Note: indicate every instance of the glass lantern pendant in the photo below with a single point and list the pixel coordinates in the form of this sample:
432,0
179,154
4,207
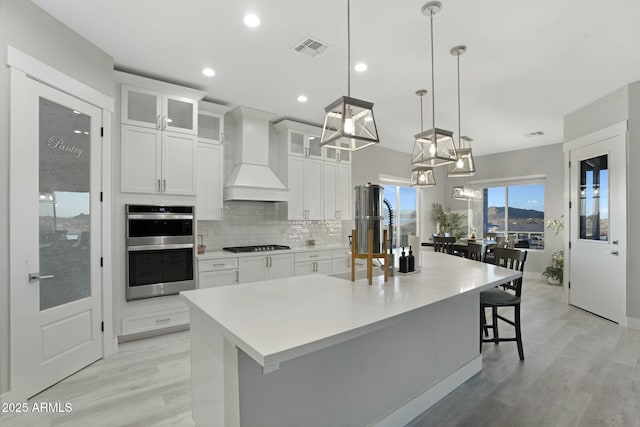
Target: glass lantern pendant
349,125
422,177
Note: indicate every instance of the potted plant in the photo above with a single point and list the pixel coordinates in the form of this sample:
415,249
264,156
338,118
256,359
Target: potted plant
447,222
554,272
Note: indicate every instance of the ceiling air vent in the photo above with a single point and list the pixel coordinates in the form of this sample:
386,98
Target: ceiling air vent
532,134
310,46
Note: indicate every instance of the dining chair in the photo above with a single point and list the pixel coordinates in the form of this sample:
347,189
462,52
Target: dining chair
475,251
444,244
490,235
501,241
508,296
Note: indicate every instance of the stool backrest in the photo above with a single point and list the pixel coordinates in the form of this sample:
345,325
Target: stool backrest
443,244
513,259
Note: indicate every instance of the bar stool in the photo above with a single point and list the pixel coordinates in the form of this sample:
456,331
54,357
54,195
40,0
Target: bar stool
508,296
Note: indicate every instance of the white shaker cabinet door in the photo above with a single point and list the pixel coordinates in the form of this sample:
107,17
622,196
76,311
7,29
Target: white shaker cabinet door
178,164
280,266
296,207
313,189
252,269
344,191
210,185
329,190
140,159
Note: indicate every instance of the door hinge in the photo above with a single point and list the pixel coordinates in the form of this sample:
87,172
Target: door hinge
101,262
101,132
101,196
101,326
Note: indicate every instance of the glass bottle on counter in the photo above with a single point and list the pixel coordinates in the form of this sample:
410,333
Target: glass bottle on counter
404,264
411,261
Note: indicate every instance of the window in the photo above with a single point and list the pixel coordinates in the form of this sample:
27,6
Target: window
403,201
515,212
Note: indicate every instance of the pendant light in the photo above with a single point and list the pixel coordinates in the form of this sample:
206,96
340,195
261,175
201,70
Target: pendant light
349,123
466,193
464,165
434,147
422,176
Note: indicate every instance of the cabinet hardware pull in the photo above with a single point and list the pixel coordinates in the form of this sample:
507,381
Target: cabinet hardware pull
163,320
159,187
616,253
217,265
314,256
164,185
158,121
237,277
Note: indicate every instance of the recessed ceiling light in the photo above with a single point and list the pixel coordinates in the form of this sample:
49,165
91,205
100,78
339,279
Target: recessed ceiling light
360,67
208,72
86,133
77,131
76,112
251,20
302,98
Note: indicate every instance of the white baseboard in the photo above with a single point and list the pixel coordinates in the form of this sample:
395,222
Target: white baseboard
429,397
633,323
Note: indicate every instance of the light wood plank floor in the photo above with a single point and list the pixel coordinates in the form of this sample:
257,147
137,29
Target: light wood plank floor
580,370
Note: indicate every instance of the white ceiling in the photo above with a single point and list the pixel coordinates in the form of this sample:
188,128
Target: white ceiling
528,63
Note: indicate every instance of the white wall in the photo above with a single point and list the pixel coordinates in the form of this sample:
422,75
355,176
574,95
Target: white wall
29,29
546,160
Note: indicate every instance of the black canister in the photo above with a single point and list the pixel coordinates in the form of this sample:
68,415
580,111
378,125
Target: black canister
404,264
411,261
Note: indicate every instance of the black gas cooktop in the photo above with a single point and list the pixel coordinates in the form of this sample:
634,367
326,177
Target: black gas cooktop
256,248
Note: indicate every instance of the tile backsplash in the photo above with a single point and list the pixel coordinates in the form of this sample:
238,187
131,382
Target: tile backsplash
255,223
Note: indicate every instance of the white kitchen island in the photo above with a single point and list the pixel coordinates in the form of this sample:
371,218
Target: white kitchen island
322,351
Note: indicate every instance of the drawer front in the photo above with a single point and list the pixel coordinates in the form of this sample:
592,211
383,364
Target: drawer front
341,253
212,279
314,267
313,256
150,322
218,264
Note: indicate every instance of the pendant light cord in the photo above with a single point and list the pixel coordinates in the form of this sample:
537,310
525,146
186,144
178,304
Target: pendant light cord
349,48
433,92
459,119
421,115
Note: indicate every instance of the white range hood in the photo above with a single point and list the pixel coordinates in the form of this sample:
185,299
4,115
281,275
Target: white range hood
251,177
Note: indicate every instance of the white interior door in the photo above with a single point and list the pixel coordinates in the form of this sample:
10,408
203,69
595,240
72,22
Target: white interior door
598,227
55,218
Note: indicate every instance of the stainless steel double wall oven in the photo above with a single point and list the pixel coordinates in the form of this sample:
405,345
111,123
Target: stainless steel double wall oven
160,250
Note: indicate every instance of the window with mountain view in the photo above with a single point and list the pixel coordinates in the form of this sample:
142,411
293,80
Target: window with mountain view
403,201
517,212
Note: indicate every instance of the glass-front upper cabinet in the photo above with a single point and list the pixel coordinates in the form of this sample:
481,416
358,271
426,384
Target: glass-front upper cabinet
331,153
153,109
302,140
210,127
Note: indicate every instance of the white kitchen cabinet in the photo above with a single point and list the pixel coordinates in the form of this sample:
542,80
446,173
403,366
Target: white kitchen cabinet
265,267
305,189
342,261
210,181
217,272
210,126
335,155
302,140
154,161
156,110
316,262
337,190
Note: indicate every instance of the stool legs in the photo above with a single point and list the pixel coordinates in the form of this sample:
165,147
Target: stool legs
516,314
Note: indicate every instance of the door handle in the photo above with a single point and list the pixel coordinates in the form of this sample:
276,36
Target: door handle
34,277
616,253
158,126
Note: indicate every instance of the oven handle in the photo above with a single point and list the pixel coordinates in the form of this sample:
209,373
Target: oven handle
159,216
159,247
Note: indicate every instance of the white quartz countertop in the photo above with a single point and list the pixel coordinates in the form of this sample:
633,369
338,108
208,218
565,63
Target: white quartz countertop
226,254
277,320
